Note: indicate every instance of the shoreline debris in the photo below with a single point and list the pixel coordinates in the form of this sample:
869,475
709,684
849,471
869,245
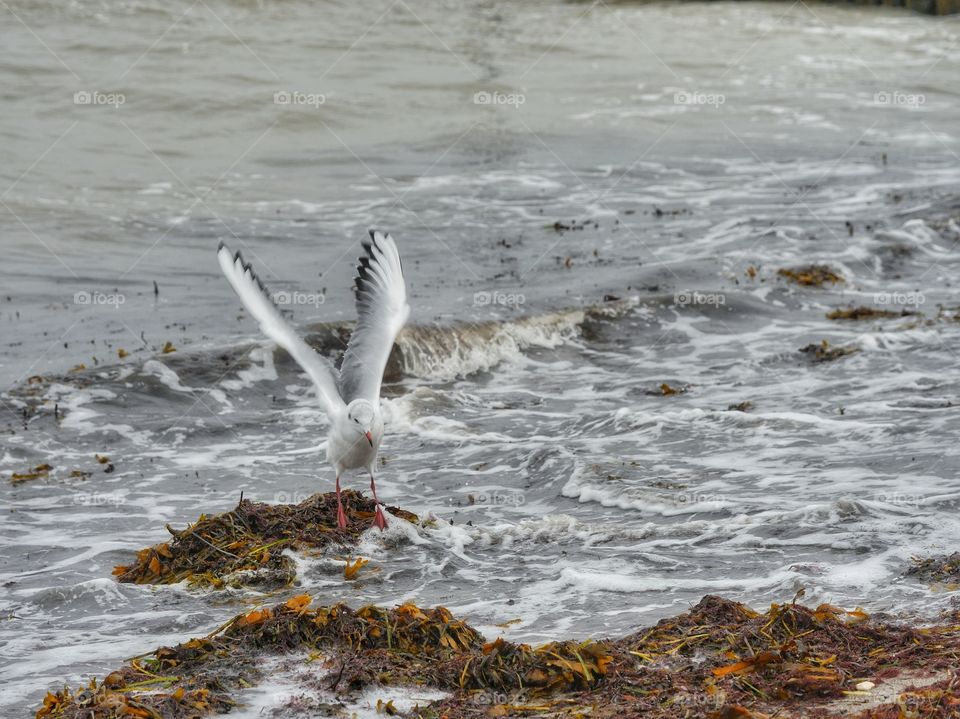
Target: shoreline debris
245,546
867,313
811,275
940,572
825,352
719,659
41,471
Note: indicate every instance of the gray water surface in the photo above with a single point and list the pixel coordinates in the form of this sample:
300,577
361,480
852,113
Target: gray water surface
695,149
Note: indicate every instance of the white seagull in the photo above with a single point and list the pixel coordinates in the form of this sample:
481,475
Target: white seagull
350,397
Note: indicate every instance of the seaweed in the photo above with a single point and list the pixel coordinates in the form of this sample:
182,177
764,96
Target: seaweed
245,545
866,313
719,659
403,645
942,571
824,352
41,471
948,314
939,700
812,275
561,226
667,390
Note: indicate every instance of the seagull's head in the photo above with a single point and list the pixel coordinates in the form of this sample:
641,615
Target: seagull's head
360,418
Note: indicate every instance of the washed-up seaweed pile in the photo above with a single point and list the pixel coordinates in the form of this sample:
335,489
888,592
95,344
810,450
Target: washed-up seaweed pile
789,653
245,545
404,646
867,313
941,572
940,700
825,352
811,275
720,659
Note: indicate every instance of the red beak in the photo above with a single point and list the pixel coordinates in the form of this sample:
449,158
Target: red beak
369,438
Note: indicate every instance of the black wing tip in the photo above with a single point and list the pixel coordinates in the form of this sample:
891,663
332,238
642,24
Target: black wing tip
237,257
374,234
368,258
245,267
367,246
248,269
364,261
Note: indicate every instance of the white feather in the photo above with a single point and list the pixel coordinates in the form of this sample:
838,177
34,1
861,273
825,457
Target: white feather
382,311
254,297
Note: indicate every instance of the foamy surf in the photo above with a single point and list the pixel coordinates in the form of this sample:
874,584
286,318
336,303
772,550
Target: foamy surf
584,465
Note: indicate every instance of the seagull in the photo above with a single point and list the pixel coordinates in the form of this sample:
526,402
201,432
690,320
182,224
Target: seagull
350,396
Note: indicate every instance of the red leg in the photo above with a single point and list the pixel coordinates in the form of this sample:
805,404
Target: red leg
378,519
341,515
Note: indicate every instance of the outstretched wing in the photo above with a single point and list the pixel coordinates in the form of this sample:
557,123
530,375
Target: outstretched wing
258,303
382,311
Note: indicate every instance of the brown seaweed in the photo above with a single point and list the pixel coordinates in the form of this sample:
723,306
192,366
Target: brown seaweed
719,659
825,352
246,544
811,275
866,313
941,571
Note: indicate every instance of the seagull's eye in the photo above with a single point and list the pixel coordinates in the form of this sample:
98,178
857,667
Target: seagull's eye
356,420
